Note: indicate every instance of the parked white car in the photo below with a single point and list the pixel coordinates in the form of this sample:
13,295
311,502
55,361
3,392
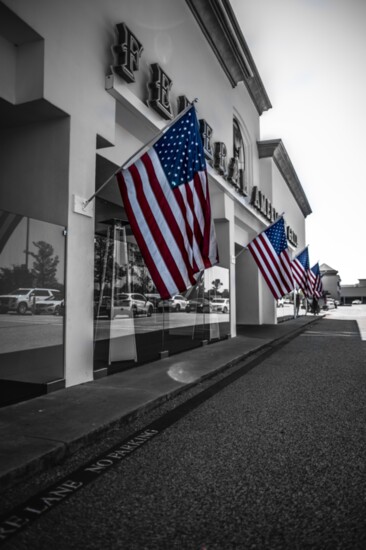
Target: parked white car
50,306
129,303
221,304
175,303
329,304
22,300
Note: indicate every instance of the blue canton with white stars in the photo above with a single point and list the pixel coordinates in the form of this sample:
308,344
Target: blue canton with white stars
315,269
303,258
277,236
180,150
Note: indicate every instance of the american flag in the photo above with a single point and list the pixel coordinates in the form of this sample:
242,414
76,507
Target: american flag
316,281
270,251
166,197
301,272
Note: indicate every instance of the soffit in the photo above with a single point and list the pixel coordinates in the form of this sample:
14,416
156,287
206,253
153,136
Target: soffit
221,29
275,149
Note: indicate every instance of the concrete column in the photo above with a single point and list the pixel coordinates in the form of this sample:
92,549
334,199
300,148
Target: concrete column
267,304
248,308
226,243
80,259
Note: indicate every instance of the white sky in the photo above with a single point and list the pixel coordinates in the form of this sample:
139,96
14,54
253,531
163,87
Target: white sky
310,55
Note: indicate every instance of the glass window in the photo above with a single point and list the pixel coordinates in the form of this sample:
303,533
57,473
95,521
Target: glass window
133,325
239,156
32,256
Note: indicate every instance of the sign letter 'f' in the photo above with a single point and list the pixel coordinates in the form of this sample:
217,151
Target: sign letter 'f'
160,92
129,52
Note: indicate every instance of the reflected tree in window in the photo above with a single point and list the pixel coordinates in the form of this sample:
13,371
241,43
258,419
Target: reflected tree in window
216,285
103,261
139,274
43,273
45,265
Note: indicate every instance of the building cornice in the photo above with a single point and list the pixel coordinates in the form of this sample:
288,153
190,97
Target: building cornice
221,29
327,270
275,149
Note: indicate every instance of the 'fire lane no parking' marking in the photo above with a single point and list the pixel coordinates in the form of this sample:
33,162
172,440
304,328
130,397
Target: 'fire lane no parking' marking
38,505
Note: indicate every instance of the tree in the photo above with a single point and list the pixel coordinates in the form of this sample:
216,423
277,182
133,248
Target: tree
45,265
216,283
103,261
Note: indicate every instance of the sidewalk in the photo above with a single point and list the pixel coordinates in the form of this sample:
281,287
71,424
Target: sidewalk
41,432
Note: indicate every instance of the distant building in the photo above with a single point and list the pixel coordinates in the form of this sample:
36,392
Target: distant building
354,292
331,281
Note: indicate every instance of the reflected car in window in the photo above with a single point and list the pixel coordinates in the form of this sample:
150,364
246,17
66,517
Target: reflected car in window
175,303
356,302
221,304
48,306
199,306
60,309
129,304
23,300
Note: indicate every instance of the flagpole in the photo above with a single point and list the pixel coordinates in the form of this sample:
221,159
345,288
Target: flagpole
136,154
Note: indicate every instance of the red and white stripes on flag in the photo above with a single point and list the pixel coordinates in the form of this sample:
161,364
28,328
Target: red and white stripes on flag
301,272
312,283
168,208
270,251
316,281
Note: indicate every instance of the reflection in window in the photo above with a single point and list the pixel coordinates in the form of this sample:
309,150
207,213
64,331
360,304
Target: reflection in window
32,254
132,324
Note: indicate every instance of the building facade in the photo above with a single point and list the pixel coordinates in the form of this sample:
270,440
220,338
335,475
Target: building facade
331,281
85,84
350,293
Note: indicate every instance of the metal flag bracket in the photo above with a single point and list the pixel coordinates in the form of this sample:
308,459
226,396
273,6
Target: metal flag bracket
80,206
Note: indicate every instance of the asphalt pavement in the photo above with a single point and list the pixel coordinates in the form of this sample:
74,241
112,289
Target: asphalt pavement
42,432
268,453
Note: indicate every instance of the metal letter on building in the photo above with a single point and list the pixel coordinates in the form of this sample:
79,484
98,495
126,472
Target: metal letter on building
206,134
233,171
255,200
159,92
220,158
129,52
183,102
291,236
263,203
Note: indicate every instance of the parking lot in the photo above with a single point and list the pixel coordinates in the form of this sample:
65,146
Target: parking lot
22,332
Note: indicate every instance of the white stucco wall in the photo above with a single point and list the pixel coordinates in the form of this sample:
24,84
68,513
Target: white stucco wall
284,201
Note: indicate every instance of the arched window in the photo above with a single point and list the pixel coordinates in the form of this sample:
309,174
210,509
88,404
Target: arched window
236,175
